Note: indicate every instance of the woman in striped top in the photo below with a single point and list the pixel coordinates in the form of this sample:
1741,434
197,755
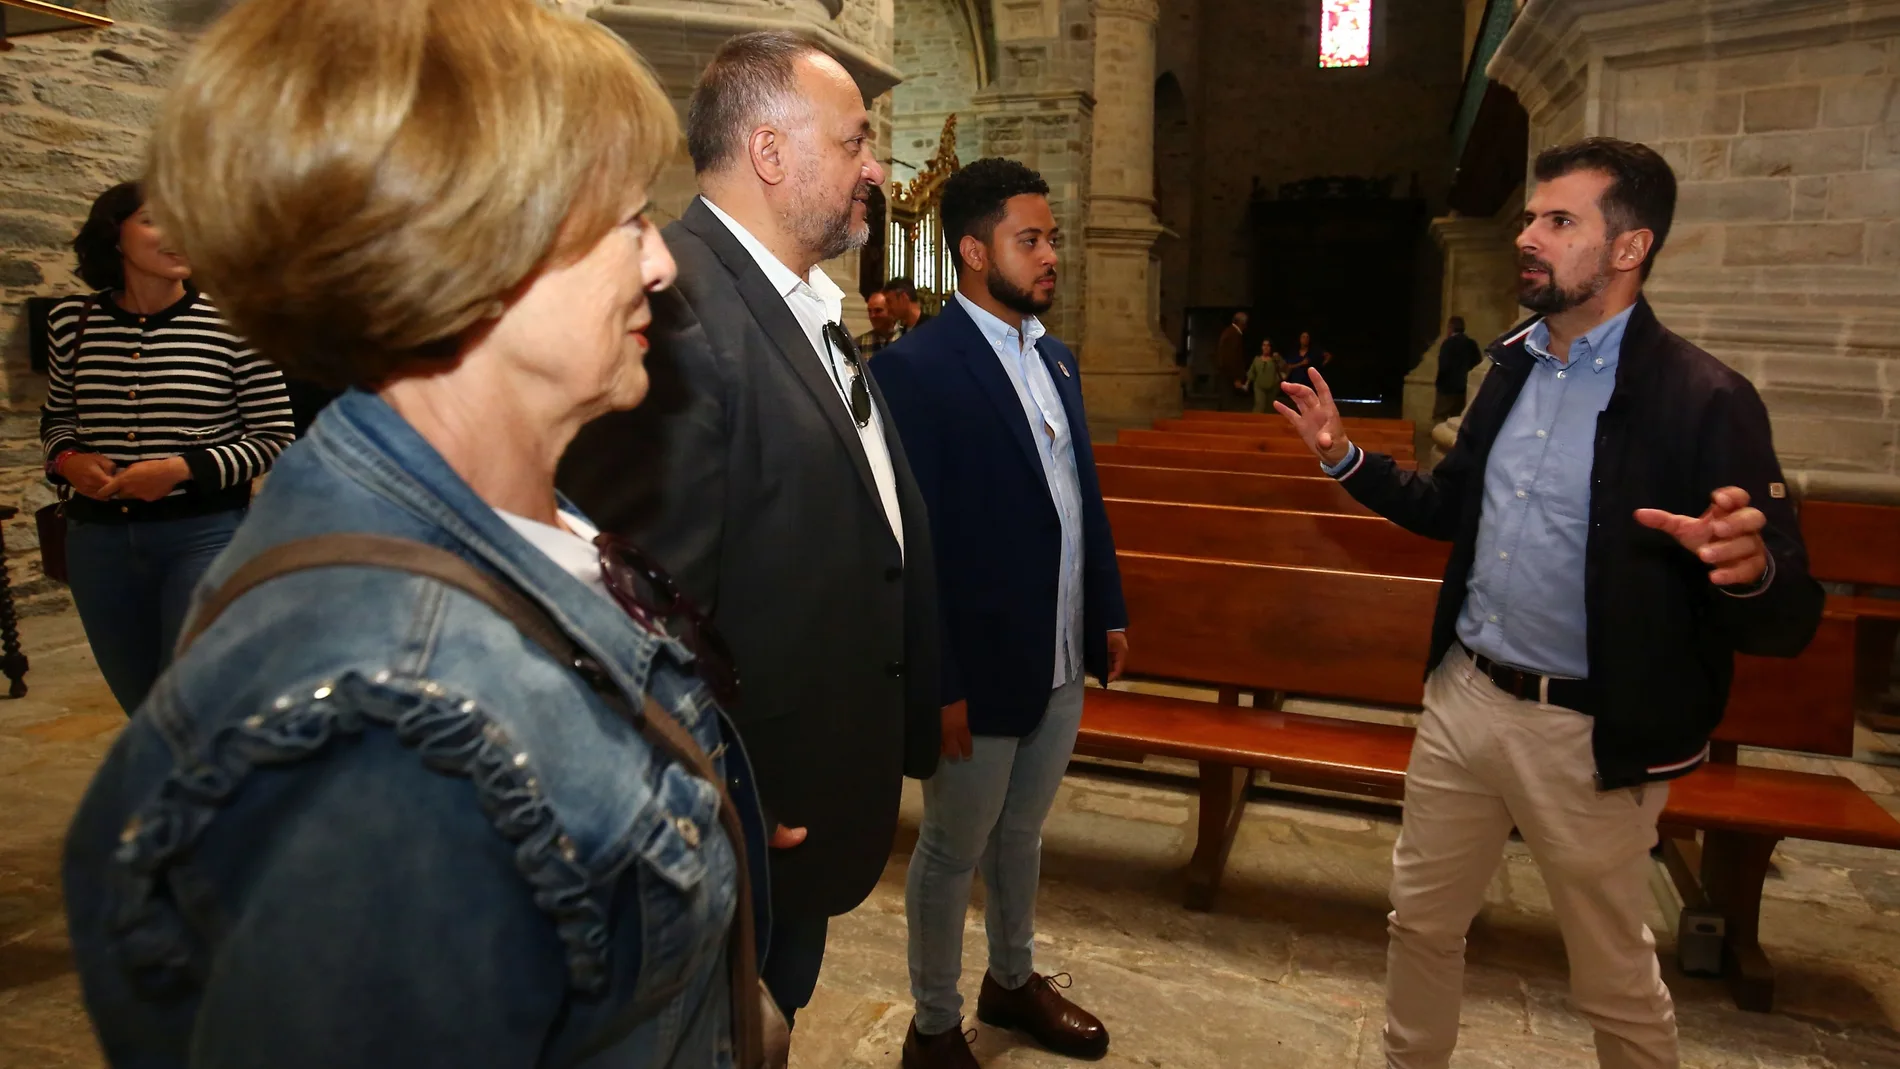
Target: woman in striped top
159,418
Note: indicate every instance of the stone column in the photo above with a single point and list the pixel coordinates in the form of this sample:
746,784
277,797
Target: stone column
678,38
1130,378
1480,285
1782,124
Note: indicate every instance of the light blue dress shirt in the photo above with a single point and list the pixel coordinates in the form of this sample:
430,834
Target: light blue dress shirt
1524,606
1015,347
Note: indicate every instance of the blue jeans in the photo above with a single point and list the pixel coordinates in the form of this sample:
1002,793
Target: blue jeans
988,812
132,583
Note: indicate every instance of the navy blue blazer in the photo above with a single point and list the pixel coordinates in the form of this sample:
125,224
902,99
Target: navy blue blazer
993,522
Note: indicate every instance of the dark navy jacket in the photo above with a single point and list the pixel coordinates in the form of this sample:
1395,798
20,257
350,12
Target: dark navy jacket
992,520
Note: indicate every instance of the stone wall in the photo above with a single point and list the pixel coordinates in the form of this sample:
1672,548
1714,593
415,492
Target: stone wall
1783,124
1269,111
74,110
933,47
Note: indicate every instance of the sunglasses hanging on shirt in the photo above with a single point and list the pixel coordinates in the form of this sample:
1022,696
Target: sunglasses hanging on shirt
859,391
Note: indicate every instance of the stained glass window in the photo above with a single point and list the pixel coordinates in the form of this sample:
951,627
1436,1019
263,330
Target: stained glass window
1345,33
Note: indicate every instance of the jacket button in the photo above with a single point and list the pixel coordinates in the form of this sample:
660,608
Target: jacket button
893,574
894,669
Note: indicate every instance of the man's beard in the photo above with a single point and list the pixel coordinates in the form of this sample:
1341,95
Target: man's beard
833,233
1551,299
1018,300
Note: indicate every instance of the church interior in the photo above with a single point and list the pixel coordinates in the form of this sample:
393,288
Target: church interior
1351,170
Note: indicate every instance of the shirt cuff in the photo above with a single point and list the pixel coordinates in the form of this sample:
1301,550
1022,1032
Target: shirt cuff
1755,588
1347,464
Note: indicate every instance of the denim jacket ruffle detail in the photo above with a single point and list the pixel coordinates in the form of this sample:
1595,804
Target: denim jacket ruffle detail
448,733
618,847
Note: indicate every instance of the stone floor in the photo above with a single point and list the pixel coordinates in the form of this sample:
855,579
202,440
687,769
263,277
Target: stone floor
1285,973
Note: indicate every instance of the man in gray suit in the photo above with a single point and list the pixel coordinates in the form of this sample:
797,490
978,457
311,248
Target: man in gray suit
764,473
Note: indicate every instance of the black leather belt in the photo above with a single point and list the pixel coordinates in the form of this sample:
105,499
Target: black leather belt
1570,694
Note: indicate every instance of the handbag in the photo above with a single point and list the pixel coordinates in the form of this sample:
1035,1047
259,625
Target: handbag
51,519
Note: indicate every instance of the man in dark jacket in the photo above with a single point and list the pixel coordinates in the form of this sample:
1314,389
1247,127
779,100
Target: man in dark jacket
1457,355
1620,530
763,472
990,408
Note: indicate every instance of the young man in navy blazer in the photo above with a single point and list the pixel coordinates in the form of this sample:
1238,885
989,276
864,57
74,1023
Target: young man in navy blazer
989,408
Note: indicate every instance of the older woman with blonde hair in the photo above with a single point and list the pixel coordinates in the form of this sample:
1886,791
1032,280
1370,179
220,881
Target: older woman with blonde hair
432,782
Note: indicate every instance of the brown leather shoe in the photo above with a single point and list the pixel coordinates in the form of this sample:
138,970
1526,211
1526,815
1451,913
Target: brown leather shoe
1039,1010
948,1050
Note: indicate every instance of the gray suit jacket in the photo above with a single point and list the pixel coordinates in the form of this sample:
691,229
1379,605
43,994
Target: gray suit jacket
744,476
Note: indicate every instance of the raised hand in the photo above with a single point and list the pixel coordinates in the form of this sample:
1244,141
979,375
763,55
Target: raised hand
1726,537
1316,418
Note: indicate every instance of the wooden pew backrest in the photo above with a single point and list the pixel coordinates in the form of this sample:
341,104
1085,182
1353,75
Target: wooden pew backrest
1329,634
1351,543
1850,543
1135,456
1304,493
1235,443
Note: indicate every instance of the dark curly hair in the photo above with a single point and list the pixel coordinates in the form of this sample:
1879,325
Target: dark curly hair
100,264
975,198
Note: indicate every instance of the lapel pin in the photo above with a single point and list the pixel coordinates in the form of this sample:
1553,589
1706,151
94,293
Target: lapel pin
1064,367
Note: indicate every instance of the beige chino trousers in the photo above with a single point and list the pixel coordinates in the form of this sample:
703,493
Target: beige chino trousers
1483,763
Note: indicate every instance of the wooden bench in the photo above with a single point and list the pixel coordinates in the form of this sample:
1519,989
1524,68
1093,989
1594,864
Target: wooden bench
1261,443
1258,463
1331,540
1859,545
1227,623
1377,441
1308,493
1403,428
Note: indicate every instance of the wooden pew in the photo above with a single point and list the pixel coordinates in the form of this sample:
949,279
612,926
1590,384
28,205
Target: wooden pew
1275,629
1860,545
1330,540
1377,441
1306,493
1264,443
1354,424
1283,445
1134,456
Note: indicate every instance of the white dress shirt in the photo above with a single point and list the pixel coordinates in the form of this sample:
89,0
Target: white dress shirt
814,301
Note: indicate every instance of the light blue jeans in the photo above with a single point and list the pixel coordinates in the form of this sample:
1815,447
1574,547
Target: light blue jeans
988,812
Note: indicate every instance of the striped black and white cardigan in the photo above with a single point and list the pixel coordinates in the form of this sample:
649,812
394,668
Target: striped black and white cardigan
176,383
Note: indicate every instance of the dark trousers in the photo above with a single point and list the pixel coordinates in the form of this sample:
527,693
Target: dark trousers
132,583
792,960
1447,405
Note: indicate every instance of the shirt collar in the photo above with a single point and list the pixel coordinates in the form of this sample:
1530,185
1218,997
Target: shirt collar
1000,333
1600,349
784,280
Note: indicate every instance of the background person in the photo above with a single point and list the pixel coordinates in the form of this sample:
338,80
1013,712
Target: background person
1264,375
1457,355
412,836
158,416
902,294
883,325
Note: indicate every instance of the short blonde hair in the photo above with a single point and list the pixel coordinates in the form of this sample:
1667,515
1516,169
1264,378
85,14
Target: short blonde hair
359,182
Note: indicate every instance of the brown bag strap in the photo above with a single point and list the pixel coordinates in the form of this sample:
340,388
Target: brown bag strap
654,723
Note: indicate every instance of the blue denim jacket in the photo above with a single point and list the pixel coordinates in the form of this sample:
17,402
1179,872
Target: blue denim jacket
364,822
